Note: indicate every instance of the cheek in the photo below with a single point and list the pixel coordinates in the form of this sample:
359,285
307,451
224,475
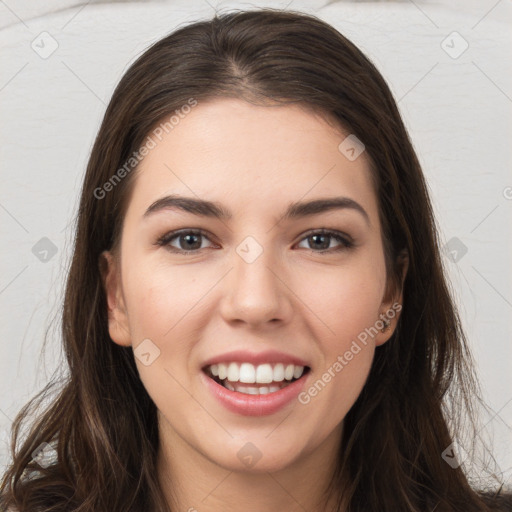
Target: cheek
160,311
169,306
159,298
350,310
347,298
348,302
333,392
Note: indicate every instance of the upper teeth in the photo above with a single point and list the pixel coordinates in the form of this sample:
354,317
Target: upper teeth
261,374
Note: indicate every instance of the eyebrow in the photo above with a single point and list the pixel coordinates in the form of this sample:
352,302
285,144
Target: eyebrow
215,210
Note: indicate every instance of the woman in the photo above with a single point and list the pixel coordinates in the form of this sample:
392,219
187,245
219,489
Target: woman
256,308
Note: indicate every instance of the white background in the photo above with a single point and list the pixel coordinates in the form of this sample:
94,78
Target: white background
458,109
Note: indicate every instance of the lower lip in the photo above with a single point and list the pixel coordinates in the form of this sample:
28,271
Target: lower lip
254,405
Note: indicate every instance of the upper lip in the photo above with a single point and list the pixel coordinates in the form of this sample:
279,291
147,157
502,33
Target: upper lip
255,358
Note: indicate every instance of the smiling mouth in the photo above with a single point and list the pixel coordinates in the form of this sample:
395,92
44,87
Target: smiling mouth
248,379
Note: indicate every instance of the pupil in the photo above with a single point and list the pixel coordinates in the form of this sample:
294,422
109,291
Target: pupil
188,239
324,245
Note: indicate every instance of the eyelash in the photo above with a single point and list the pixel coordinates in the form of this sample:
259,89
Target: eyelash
165,240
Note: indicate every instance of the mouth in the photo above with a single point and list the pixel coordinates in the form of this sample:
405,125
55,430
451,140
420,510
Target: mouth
249,379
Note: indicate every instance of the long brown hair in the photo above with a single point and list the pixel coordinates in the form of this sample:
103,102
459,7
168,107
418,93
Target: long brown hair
101,422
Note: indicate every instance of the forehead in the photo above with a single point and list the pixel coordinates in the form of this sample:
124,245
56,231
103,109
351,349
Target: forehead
251,158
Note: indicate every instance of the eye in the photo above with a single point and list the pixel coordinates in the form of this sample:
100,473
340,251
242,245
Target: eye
321,239
189,241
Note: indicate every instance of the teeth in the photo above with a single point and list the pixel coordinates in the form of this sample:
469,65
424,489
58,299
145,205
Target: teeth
252,390
297,372
279,372
233,372
223,371
264,374
247,373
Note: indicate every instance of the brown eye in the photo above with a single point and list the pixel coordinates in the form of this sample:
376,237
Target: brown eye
191,241
184,241
320,241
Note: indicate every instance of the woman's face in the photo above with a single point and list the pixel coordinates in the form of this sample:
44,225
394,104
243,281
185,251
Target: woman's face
262,296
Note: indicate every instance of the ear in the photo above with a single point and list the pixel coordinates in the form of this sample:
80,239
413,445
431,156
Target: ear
392,303
118,326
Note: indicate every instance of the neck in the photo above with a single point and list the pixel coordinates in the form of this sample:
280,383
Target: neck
194,483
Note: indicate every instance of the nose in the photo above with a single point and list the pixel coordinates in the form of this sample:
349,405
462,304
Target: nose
255,292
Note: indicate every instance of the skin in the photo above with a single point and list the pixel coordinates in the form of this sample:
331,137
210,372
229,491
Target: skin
255,160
